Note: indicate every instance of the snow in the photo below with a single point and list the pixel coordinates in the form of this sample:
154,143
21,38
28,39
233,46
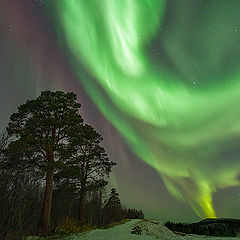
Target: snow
146,229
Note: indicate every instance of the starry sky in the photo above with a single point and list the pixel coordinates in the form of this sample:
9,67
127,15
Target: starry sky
160,81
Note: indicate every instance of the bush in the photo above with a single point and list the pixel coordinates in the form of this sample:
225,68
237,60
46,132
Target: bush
71,226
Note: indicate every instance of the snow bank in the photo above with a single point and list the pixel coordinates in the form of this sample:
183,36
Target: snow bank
140,230
121,232
154,229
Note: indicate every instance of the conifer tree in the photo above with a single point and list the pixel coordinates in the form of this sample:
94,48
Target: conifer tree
113,200
39,130
87,162
47,135
113,210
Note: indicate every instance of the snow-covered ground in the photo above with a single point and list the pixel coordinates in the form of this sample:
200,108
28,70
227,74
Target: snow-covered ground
145,229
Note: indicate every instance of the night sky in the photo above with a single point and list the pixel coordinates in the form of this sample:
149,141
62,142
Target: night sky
160,80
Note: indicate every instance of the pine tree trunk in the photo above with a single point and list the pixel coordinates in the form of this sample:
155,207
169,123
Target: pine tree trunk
48,202
80,207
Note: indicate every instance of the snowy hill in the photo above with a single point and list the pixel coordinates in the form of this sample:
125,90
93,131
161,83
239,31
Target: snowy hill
219,220
140,230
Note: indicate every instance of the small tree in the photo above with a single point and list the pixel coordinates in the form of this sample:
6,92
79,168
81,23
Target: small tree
40,130
113,207
113,200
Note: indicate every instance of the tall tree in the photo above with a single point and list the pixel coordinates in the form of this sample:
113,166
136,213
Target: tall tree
88,163
40,130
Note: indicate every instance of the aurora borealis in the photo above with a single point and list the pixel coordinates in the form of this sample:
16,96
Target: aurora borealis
165,74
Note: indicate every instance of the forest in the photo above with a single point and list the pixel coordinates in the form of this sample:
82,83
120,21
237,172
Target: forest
54,172
219,227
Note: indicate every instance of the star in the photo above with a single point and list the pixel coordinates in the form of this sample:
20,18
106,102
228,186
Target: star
10,27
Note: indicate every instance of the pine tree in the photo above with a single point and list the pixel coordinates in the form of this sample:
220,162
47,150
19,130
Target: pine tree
113,200
47,136
88,165
113,210
40,129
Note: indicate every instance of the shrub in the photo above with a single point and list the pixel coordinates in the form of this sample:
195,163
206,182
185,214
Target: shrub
71,226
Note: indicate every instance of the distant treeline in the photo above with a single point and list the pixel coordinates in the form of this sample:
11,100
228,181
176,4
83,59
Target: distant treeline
210,227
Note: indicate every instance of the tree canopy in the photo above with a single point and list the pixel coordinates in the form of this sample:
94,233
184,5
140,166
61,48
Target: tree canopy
48,135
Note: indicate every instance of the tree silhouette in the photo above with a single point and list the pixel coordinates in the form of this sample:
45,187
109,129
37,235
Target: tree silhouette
113,208
87,162
40,129
113,200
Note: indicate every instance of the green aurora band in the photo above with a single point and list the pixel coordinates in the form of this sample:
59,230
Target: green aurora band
178,128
